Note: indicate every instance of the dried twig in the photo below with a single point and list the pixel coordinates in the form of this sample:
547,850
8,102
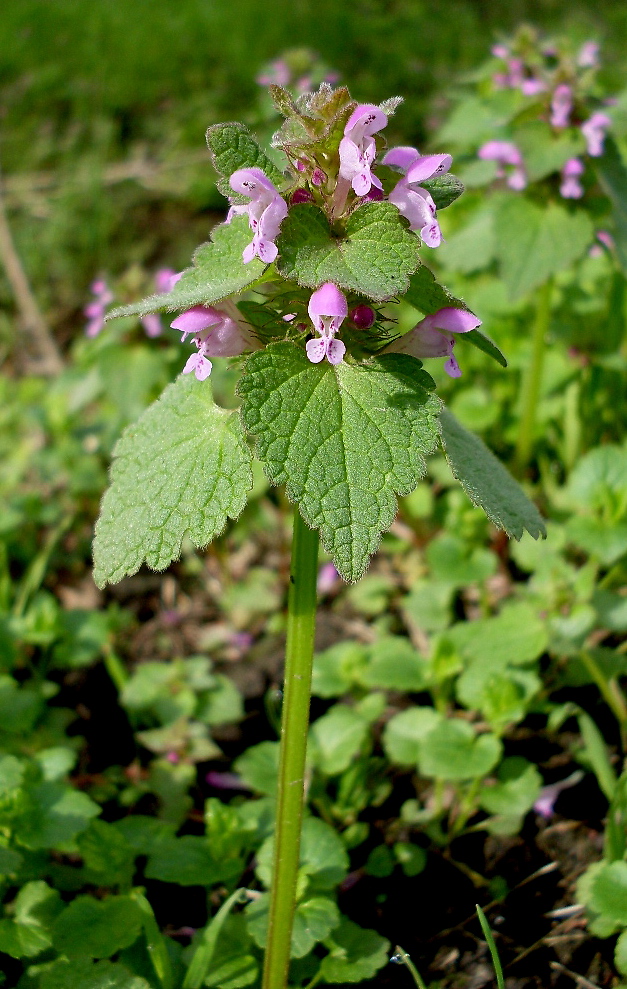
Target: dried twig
48,360
579,979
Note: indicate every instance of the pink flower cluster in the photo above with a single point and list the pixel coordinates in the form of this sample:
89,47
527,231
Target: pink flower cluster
509,162
221,332
533,78
165,278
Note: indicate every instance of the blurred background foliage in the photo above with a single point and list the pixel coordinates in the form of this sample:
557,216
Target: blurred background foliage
105,105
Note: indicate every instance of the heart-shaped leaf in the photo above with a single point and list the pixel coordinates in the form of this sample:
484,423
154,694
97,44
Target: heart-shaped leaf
375,257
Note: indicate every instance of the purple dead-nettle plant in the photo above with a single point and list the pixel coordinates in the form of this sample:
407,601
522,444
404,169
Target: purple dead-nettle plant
560,88
335,401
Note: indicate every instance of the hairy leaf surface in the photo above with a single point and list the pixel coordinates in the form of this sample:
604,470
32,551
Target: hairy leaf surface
375,258
218,271
344,440
184,467
487,483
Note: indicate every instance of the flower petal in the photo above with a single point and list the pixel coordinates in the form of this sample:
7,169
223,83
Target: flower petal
316,349
453,320
335,351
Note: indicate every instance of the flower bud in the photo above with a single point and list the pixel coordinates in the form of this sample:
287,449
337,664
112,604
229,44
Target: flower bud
362,317
301,196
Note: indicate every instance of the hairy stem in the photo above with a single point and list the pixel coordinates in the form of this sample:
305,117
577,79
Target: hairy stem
532,380
301,619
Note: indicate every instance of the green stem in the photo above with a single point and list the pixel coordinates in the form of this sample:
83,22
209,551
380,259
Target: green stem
610,691
301,620
403,958
532,380
115,668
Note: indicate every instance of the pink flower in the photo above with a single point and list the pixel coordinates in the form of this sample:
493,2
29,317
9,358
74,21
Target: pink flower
327,578
279,74
426,340
510,162
166,279
217,333
531,87
412,201
266,211
199,364
545,802
594,132
327,309
588,56
95,311
358,147
561,105
571,187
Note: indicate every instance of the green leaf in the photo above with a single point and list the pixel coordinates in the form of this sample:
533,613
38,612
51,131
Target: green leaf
35,908
355,954
187,861
232,146
599,480
10,861
604,541
608,892
452,751
545,152
218,271
596,754
182,468
107,854
395,665
483,343
452,561
516,637
336,669
516,791
411,858
82,973
259,767
404,732
427,295
471,247
343,439
374,258
56,815
322,855
486,481
612,174
209,941
620,954
22,941
444,189
314,919
97,928
534,243
337,738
